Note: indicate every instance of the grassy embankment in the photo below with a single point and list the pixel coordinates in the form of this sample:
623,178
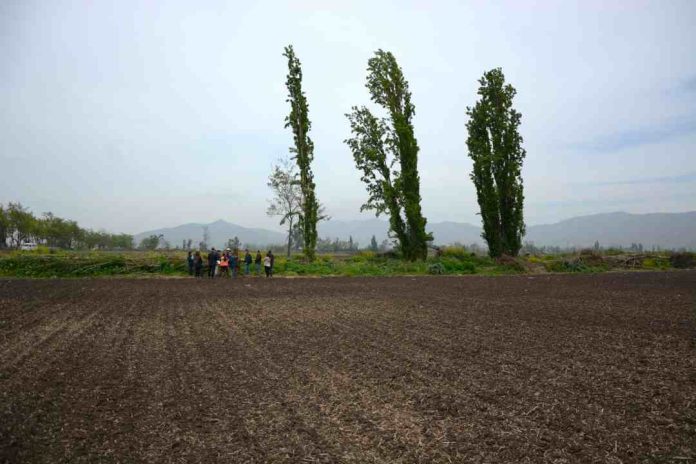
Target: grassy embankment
453,261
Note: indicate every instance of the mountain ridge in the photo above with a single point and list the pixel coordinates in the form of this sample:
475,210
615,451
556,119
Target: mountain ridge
664,230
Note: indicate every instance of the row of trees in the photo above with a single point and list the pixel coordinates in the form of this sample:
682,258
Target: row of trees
385,151
19,225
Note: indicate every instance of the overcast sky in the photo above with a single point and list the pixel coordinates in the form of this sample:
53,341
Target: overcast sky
134,115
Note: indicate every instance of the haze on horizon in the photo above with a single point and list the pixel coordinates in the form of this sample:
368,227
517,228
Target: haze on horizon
135,115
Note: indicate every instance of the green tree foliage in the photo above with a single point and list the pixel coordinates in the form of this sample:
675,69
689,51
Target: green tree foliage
374,246
287,196
386,151
298,121
151,242
18,224
336,245
58,232
22,225
495,146
234,244
4,227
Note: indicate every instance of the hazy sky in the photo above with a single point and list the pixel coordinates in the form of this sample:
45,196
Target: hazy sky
133,115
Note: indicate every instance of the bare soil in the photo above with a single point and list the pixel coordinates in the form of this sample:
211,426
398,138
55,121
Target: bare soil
552,368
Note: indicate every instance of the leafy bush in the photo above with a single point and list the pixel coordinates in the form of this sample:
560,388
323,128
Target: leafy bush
683,260
455,252
436,269
567,266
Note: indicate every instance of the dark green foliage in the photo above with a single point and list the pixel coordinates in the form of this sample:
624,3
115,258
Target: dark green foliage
386,151
77,264
374,246
298,120
495,146
4,227
436,269
18,224
683,260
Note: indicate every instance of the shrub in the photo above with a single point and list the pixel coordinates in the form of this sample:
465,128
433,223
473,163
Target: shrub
436,268
567,266
683,260
455,252
511,263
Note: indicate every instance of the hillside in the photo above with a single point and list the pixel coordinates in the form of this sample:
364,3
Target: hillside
664,230
220,231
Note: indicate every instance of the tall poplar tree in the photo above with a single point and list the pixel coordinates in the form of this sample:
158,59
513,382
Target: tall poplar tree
298,121
386,151
495,146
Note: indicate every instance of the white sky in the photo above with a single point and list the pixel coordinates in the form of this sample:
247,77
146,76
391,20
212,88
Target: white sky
133,115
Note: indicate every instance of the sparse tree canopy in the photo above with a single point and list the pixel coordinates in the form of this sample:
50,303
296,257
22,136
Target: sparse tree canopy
298,121
386,151
374,246
151,242
495,146
287,196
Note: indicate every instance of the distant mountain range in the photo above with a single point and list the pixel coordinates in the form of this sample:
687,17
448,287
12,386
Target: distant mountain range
664,230
219,232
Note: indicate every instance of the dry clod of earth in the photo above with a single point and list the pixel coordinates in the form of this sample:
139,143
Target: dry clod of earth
519,369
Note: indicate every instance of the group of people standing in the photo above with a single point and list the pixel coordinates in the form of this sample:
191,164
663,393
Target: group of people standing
226,263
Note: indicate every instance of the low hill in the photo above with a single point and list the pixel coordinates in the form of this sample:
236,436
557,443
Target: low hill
664,230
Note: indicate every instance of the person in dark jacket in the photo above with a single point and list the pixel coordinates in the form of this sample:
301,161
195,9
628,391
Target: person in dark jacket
198,263
212,262
234,263
270,253
247,261
189,260
257,262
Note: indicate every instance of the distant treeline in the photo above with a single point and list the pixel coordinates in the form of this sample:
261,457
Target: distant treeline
19,226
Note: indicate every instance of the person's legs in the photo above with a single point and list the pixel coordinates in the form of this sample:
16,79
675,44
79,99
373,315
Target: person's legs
268,271
246,268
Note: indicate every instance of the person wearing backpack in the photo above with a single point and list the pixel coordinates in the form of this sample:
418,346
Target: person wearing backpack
189,260
233,264
257,262
198,263
212,263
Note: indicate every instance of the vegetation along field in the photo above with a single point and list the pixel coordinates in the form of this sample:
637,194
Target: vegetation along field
524,368
50,263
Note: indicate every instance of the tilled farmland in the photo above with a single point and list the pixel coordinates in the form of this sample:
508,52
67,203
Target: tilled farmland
552,368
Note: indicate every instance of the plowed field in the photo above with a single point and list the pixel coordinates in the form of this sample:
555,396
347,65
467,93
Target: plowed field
558,368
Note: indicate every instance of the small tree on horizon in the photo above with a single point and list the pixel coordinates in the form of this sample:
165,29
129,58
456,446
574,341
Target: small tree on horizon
206,237
298,121
287,196
151,242
374,246
495,146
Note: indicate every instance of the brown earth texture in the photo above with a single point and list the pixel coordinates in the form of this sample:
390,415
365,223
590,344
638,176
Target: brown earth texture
557,368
